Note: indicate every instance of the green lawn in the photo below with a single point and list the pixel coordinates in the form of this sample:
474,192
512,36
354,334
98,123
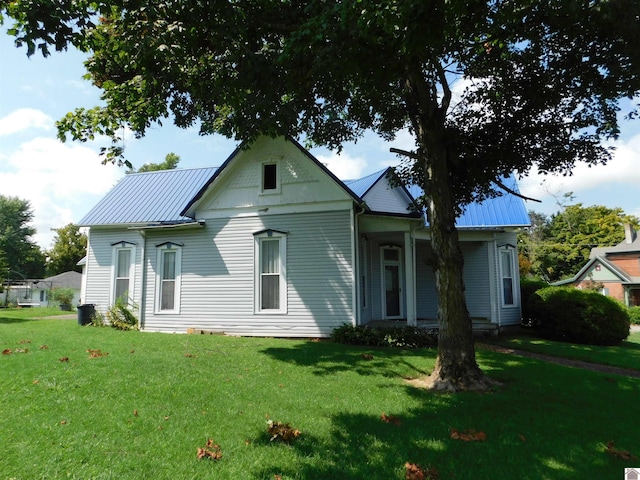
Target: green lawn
625,355
143,410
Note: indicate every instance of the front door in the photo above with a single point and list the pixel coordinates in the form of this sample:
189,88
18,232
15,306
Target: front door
392,281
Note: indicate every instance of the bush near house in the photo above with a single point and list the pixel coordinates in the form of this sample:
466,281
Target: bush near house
400,337
634,315
528,287
64,296
579,316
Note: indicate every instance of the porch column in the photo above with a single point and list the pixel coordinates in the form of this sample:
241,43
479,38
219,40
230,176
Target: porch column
410,278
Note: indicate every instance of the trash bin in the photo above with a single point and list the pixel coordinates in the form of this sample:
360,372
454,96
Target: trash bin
85,312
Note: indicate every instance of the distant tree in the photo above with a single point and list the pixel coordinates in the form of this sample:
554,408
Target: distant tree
171,161
557,247
69,246
19,254
529,240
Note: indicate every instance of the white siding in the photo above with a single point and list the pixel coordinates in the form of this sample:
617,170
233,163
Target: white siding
99,265
507,315
383,197
218,276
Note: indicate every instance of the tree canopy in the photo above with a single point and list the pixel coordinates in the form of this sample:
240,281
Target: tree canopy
69,247
484,87
559,246
171,161
20,257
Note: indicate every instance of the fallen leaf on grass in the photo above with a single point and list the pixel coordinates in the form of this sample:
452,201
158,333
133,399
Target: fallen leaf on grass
469,435
7,351
522,438
623,454
135,412
367,356
390,419
96,353
211,450
282,431
63,359
189,355
21,342
36,382
43,347
416,472
21,350
63,422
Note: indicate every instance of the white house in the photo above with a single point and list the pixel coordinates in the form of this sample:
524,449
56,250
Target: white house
271,243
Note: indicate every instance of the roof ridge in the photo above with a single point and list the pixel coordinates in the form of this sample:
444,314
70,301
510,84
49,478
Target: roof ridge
168,171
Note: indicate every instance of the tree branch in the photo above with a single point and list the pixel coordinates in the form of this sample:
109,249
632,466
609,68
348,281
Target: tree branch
513,192
406,153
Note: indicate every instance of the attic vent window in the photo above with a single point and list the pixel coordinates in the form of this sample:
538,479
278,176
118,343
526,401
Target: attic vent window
269,177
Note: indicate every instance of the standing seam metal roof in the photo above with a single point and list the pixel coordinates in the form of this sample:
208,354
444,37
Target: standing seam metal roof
151,197
162,197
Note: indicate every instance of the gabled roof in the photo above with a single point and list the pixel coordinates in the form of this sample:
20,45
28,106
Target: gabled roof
170,197
186,211
622,247
70,279
618,272
152,197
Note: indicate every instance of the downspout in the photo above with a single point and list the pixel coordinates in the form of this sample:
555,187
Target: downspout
143,281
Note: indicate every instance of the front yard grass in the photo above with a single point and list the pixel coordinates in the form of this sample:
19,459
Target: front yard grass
144,404
625,355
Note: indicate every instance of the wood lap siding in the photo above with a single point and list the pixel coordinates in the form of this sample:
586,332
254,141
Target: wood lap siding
217,291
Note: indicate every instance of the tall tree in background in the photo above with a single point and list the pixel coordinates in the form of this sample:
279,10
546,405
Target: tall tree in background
171,161
19,255
484,87
559,246
69,246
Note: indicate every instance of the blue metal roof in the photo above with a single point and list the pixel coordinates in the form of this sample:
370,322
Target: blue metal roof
362,185
501,211
152,197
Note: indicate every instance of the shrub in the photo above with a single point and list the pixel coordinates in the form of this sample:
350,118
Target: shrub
634,315
64,296
121,316
527,288
400,337
572,315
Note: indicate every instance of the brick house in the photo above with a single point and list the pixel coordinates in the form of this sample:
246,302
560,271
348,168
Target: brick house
614,270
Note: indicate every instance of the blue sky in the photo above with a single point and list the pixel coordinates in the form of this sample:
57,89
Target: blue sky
64,180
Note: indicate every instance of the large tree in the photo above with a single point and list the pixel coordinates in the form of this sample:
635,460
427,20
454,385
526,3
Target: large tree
543,79
69,246
20,257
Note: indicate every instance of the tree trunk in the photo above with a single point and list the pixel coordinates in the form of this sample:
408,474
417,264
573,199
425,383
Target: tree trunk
456,368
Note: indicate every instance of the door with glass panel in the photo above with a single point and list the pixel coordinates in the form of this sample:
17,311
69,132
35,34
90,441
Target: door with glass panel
392,282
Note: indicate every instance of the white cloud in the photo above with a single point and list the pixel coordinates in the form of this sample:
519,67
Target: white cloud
24,119
344,166
61,181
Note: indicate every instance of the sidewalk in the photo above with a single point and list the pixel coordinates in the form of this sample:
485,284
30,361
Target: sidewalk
594,367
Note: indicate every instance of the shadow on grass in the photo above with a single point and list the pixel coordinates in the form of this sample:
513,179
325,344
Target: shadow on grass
328,358
545,421
13,320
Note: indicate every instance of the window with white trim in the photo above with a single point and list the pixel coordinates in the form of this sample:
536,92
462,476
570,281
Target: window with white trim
270,178
122,271
169,262
508,275
270,272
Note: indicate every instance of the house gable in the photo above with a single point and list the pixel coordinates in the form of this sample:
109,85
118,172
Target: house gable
387,196
274,176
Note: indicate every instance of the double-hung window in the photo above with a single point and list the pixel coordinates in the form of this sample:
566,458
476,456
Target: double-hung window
122,271
270,272
508,275
169,260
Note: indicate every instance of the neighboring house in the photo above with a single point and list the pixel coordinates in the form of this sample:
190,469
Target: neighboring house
41,289
36,293
615,271
273,244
